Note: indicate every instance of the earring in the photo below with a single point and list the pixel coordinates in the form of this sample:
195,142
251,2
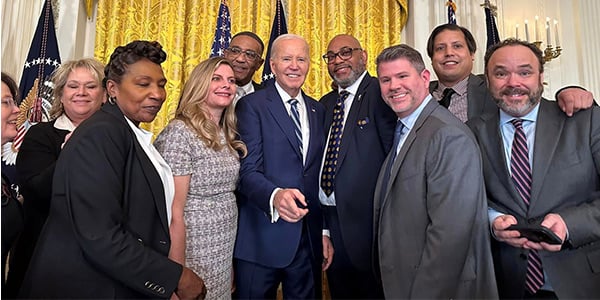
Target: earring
112,99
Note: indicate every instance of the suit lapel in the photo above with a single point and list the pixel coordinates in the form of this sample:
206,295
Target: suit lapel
545,145
412,135
281,116
493,147
315,128
352,119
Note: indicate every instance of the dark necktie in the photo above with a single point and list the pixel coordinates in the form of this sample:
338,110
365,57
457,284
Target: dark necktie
295,115
446,96
388,167
521,175
333,147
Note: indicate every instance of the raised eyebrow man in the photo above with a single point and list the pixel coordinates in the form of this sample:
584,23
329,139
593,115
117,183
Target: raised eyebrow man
245,54
451,49
360,129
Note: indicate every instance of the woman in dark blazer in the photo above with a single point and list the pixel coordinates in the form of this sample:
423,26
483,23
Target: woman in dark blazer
12,215
107,234
78,94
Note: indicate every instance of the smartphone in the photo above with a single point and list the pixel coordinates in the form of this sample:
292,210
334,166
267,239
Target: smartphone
536,233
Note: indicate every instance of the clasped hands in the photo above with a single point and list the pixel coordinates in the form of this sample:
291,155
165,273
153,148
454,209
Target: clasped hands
554,222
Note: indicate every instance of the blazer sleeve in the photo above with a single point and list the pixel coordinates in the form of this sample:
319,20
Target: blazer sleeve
35,164
582,220
96,182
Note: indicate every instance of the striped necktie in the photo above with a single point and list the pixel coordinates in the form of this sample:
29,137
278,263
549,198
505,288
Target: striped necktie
521,174
295,115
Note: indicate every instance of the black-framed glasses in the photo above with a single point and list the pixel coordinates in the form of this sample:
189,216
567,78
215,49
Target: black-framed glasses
344,53
248,54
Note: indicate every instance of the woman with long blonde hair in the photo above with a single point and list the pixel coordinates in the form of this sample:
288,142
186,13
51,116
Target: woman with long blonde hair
202,149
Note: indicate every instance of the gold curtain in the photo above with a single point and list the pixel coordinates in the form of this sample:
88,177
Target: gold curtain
186,29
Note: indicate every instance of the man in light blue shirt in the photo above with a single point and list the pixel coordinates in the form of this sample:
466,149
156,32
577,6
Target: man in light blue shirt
541,168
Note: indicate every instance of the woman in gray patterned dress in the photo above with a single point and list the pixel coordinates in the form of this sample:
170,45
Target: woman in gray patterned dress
201,148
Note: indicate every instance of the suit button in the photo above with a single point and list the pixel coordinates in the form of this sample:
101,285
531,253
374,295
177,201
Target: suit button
531,221
161,290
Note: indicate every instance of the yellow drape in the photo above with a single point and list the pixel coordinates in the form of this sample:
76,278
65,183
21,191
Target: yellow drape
186,29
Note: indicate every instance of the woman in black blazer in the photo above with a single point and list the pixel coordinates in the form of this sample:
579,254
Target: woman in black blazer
107,234
12,215
78,94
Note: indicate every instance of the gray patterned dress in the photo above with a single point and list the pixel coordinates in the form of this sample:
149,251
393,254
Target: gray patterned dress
210,211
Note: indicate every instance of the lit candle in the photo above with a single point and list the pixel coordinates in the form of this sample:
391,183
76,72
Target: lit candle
535,28
556,33
526,31
517,31
548,40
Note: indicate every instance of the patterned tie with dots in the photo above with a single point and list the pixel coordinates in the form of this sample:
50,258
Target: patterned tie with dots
333,147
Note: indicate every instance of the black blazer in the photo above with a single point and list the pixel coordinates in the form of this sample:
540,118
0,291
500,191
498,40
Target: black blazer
35,168
367,138
107,234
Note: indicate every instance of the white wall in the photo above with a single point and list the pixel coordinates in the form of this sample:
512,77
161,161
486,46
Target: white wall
579,34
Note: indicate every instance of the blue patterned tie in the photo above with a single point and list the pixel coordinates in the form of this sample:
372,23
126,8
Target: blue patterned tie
521,175
388,168
333,147
295,115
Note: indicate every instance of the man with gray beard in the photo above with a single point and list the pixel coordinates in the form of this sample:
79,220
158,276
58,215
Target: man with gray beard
360,128
542,169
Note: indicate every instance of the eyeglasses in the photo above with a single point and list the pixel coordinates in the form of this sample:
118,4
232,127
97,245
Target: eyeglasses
248,54
9,102
344,53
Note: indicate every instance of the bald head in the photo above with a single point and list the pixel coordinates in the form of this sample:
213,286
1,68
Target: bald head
347,60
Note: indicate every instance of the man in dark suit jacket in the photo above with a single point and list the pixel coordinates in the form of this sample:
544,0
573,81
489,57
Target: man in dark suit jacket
451,49
368,130
430,212
245,54
280,222
107,234
562,156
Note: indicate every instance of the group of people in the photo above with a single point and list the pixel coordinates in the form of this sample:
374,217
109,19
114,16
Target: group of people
250,188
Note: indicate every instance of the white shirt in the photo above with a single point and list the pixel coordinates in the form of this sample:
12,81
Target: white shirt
144,137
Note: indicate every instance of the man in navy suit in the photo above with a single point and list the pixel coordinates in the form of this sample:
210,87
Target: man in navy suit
280,222
367,134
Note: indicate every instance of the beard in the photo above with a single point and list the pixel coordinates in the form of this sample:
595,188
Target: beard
352,77
519,109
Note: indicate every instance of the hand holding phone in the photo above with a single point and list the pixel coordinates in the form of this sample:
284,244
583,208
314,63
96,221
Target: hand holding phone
536,233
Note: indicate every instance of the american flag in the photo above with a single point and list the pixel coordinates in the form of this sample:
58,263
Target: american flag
35,85
222,32
279,28
490,23
451,12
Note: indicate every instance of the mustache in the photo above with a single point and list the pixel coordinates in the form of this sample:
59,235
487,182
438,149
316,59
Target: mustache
512,91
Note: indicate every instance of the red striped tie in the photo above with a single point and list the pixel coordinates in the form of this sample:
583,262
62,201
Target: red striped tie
521,175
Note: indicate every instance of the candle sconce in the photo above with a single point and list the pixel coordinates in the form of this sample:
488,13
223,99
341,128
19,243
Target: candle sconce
550,52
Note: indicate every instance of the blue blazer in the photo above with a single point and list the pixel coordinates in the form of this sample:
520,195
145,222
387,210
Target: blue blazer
274,160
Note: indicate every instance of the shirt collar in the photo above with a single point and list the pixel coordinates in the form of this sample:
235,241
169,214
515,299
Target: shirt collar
353,88
531,116
285,96
64,123
410,120
460,88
